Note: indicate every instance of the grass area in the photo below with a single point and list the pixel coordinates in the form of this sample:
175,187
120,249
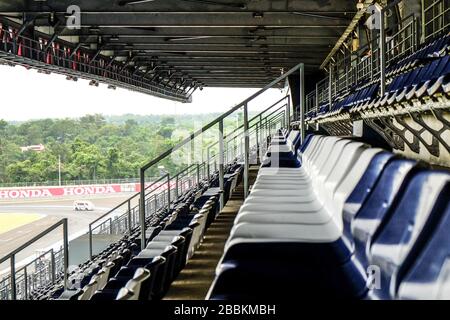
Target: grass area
10,221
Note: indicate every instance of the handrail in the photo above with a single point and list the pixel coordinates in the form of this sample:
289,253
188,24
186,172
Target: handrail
126,201
192,174
11,256
254,118
115,208
219,120
257,116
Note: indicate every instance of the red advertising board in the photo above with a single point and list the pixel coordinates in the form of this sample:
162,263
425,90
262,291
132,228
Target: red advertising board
49,192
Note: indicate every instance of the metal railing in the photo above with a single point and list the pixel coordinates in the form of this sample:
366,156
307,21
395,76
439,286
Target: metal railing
21,282
404,42
245,143
435,17
159,195
268,125
370,63
124,218
46,269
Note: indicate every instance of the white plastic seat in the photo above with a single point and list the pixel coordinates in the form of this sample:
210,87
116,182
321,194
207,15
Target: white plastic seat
104,275
309,207
89,289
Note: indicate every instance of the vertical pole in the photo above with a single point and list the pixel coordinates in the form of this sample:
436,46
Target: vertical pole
221,165
13,277
330,86
267,131
198,174
168,192
257,141
25,274
90,242
317,97
59,169
66,252
382,54
422,22
52,260
288,113
142,209
129,218
246,151
192,152
302,101
177,182
208,159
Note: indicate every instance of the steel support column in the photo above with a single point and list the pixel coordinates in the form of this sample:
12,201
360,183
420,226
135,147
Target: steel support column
382,53
246,152
66,252
302,101
221,165
142,209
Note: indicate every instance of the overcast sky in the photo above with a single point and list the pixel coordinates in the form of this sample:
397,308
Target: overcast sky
27,94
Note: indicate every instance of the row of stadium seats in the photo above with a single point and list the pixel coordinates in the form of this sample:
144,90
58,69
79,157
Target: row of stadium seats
343,221
129,273
420,75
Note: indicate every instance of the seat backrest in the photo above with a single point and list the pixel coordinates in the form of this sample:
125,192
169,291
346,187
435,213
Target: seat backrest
311,151
104,275
293,135
89,289
363,188
319,159
328,162
391,183
354,162
126,294
428,276
397,235
138,284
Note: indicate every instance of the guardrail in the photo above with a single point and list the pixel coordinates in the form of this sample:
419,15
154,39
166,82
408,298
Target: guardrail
19,280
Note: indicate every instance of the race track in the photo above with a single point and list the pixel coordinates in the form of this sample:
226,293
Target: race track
53,210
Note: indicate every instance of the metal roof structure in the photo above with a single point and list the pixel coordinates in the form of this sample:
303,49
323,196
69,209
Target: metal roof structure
214,43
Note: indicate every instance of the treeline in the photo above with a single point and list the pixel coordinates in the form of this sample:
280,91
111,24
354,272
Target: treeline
93,146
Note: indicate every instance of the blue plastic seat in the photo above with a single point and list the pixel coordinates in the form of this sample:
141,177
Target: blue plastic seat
391,184
401,235
363,189
427,276
439,71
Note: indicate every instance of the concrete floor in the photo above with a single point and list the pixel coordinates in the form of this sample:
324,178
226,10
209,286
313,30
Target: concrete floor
196,278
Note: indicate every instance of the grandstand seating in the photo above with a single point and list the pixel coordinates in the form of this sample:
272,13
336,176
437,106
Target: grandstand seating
327,217
312,229
124,272
422,74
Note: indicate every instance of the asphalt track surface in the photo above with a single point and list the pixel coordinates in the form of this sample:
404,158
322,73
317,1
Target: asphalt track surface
54,210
